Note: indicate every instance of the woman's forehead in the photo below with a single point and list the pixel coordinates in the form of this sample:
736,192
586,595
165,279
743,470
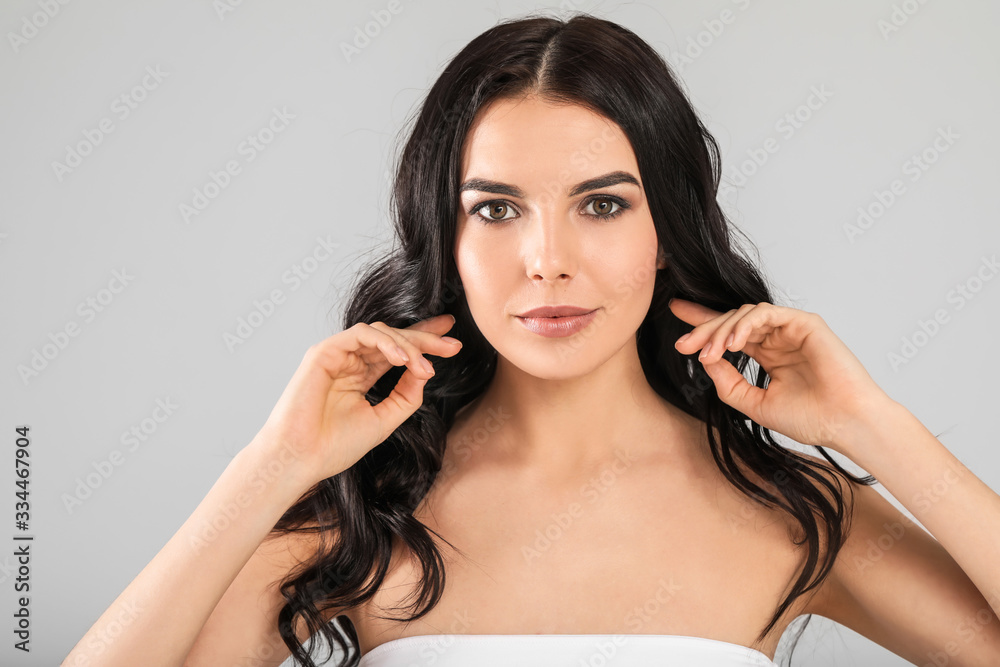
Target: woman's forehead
531,137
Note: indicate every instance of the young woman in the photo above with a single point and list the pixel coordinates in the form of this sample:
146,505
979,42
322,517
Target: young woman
586,467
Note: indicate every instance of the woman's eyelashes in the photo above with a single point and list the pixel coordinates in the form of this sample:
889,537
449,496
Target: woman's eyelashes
606,210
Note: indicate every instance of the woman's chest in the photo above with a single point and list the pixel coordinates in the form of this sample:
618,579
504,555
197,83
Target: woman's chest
639,558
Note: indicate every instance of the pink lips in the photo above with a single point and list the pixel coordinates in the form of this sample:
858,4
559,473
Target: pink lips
557,321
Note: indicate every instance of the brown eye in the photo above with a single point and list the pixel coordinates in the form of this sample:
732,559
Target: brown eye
606,208
602,206
499,209
491,212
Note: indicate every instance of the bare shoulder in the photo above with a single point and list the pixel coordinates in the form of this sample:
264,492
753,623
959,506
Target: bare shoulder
244,625
830,483
829,478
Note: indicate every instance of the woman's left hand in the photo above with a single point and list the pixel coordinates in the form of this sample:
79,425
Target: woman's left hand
818,390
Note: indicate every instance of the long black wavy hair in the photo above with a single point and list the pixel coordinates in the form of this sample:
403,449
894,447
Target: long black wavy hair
608,69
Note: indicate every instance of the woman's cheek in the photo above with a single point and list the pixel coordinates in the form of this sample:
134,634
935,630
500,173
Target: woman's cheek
481,269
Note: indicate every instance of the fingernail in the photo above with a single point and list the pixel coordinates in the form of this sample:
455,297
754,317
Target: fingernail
402,353
705,350
449,339
683,338
729,341
427,365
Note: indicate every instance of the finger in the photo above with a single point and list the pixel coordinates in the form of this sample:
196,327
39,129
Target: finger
415,360
748,325
734,389
417,344
691,312
437,324
402,401
700,335
429,335
376,349
750,329
749,332
717,341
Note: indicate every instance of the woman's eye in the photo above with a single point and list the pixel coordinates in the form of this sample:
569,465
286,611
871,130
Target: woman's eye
491,208
602,207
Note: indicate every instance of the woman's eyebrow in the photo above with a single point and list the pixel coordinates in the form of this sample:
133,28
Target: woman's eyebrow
609,179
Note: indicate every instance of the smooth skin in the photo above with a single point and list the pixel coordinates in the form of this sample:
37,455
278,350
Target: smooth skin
573,400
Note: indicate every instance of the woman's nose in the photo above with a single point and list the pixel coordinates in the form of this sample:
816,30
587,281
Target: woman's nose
551,247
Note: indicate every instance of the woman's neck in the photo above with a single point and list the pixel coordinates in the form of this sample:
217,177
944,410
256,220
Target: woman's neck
568,428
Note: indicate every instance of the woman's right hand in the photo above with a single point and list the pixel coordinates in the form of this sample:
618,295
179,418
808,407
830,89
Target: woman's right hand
323,417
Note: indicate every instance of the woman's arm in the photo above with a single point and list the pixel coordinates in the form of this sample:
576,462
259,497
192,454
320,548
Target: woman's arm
322,425
243,629
931,601
958,508
157,618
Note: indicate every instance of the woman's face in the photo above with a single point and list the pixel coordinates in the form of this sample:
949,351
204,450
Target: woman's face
546,233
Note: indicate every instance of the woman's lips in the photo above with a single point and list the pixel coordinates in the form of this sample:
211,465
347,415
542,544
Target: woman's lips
557,327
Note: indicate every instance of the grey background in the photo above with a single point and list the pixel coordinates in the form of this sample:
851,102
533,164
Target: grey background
326,175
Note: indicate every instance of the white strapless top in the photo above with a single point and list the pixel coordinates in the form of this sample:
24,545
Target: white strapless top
461,650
